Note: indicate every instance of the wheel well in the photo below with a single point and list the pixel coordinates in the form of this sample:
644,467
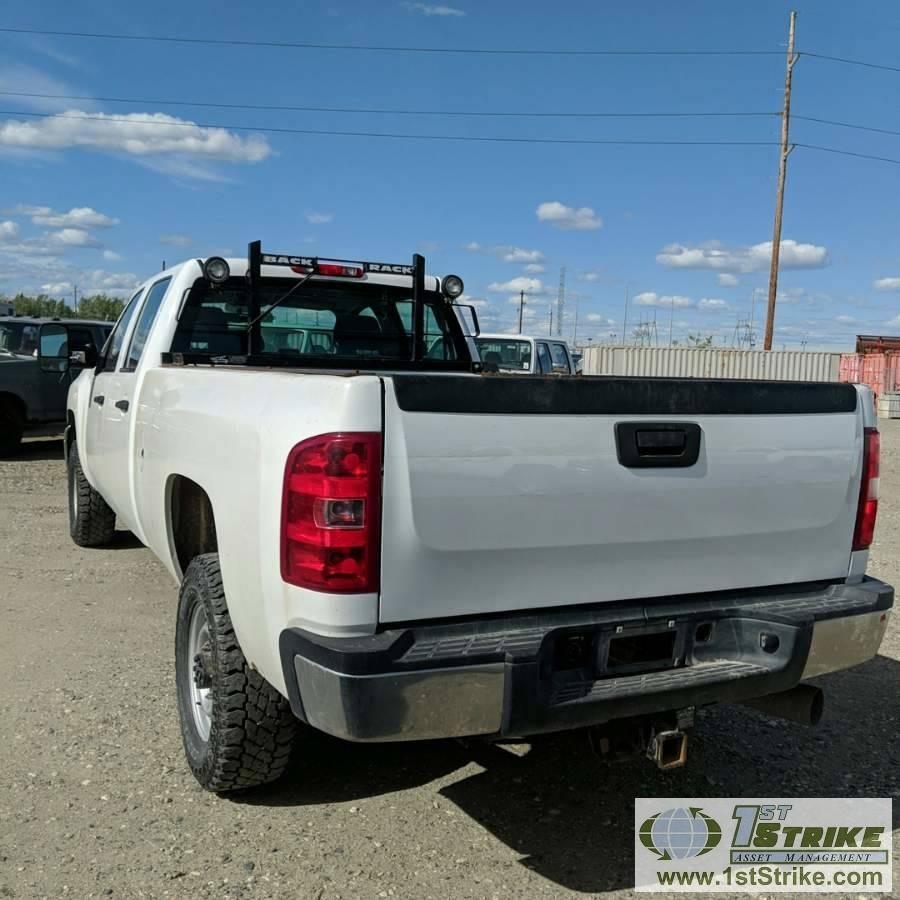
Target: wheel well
16,401
192,521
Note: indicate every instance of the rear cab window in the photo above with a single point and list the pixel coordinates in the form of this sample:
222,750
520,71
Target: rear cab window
511,354
318,320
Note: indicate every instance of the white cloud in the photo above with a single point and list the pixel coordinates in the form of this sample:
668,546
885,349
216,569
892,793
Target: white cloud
29,80
845,320
73,237
176,240
112,282
667,301
519,255
432,9
57,288
591,277
318,218
569,218
600,319
506,252
894,323
9,231
535,268
754,258
786,295
111,255
725,279
77,217
514,285
713,305
134,134
887,284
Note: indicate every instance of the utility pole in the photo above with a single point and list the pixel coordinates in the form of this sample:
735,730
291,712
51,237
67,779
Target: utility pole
671,320
625,319
550,332
575,330
561,302
521,308
75,297
779,197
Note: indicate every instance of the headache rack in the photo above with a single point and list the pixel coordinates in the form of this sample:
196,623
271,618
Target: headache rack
307,267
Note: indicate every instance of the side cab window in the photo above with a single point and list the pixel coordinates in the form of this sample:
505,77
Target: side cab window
545,366
560,357
114,344
145,323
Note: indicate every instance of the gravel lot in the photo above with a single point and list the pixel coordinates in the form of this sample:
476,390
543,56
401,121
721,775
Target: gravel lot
95,799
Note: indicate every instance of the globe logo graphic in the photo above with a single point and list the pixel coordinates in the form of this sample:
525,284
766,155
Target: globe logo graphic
680,833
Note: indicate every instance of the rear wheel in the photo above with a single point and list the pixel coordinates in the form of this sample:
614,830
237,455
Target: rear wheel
91,522
12,424
236,728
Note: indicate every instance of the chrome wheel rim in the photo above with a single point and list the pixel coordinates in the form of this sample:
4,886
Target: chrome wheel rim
199,650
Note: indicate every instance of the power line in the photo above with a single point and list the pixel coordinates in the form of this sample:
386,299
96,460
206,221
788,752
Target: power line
577,114
651,142
886,159
850,62
393,111
395,135
846,125
380,48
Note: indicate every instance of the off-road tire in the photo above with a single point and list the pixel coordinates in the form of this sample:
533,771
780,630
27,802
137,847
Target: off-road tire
12,424
91,522
252,728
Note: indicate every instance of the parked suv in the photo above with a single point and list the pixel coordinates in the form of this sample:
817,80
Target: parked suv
35,370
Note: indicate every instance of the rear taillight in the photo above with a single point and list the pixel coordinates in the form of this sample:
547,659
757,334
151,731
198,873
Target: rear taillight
867,511
331,513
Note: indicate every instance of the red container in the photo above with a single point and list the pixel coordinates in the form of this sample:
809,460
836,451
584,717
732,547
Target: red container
879,371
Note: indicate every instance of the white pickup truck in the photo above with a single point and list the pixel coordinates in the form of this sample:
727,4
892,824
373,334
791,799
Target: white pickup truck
375,539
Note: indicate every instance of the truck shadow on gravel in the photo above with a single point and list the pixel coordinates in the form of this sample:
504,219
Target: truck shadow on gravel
37,450
569,816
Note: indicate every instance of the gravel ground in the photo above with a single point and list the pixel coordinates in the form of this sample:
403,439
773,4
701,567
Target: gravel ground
96,800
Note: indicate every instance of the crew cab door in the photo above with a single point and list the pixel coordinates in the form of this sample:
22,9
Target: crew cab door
97,441
116,386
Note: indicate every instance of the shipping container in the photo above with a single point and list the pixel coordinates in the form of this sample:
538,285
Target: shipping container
888,406
683,362
880,371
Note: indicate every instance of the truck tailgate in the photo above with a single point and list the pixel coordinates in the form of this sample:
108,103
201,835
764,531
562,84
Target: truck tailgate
507,493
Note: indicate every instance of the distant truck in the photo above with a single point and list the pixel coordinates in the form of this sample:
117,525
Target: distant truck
35,370
525,355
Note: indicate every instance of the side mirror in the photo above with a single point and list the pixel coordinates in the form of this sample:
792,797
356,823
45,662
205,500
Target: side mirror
84,359
53,348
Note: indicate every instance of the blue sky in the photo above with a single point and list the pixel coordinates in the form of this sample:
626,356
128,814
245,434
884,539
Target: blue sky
683,228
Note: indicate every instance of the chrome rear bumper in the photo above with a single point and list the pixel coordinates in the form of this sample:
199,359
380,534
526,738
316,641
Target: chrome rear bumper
506,676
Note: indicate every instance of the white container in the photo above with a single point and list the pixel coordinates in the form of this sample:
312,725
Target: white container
682,362
888,406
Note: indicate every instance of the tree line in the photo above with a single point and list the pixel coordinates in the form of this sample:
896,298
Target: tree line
96,306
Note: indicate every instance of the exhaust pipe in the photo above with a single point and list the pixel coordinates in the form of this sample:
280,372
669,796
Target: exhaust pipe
803,703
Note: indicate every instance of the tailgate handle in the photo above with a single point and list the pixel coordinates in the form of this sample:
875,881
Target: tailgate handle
657,445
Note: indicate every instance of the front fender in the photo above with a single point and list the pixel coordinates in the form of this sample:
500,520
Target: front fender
77,408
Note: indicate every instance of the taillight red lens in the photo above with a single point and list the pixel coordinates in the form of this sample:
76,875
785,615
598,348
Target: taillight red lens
867,510
331,513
